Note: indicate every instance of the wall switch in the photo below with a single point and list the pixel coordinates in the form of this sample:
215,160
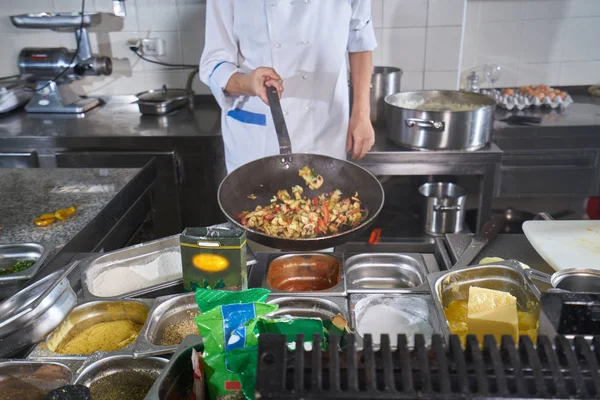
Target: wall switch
153,47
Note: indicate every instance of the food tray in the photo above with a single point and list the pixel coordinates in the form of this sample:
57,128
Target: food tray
100,365
26,378
138,254
292,267
165,311
386,273
11,284
324,308
508,276
88,314
418,309
521,101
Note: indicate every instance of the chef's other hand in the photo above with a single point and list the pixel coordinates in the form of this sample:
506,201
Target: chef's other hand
361,136
262,77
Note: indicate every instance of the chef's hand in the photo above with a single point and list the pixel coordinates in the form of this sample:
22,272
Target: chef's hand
361,136
262,77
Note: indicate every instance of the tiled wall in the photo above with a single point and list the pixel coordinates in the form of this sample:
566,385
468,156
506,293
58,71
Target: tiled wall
556,42
423,37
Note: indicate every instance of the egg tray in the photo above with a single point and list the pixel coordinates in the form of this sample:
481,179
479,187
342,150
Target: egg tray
520,101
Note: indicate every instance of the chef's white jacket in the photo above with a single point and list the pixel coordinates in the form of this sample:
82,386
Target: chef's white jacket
305,41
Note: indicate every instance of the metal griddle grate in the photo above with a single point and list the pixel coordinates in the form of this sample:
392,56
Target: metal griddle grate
565,370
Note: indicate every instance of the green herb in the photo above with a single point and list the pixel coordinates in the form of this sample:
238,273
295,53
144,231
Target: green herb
130,385
17,267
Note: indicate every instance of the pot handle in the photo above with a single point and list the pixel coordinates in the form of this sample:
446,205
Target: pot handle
424,123
447,208
538,275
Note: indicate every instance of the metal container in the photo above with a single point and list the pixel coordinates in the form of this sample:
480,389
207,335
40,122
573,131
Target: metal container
572,279
27,379
416,312
11,284
101,365
386,272
166,311
445,207
162,101
56,20
176,380
86,315
135,255
30,315
306,274
411,125
508,276
324,308
385,81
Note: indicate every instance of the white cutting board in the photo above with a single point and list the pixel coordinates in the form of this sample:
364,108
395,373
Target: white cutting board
566,244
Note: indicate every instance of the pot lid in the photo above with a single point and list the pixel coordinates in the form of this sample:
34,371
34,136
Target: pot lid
161,95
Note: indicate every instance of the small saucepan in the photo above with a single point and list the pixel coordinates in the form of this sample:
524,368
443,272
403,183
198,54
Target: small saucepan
570,280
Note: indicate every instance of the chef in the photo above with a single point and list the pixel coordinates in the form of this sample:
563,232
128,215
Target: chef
300,45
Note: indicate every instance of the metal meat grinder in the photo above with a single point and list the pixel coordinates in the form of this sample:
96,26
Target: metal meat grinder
53,69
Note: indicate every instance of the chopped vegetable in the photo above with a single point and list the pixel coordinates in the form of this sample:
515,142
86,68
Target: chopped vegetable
17,267
313,181
252,197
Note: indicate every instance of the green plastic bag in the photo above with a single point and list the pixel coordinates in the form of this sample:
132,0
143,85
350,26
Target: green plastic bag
208,299
226,328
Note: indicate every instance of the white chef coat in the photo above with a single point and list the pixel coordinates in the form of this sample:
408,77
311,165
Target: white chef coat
305,41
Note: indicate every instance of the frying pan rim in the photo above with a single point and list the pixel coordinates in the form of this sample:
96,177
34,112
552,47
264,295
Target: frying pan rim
366,222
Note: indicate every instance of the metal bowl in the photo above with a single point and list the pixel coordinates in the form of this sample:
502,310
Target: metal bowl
26,379
324,308
305,274
30,315
572,279
385,272
10,284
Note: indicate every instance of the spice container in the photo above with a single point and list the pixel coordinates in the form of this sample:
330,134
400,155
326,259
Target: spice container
214,257
31,380
451,288
386,272
324,308
145,270
116,377
12,283
393,314
171,319
305,275
95,326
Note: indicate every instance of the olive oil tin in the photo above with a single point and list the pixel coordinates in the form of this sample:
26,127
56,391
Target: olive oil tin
214,258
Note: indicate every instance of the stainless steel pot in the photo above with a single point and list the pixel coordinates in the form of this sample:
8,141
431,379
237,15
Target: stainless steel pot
384,82
445,207
162,101
423,120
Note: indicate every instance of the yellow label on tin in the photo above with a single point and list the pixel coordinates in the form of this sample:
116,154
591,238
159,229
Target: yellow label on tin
210,262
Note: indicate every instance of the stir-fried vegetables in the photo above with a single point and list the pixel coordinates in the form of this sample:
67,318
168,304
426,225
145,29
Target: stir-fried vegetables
313,181
296,216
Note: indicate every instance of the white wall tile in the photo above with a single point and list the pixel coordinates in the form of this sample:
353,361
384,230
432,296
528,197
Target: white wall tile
446,12
543,40
191,15
404,48
29,6
193,44
584,8
580,73
62,6
470,46
443,48
379,50
157,15
499,42
509,76
377,13
582,39
441,80
545,9
501,10
6,25
536,74
412,80
404,13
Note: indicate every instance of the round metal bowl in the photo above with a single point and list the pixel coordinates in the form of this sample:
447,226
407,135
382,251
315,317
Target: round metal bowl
571,280
18,328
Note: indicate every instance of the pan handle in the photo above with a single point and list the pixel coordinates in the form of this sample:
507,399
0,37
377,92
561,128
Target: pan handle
285,145
424,123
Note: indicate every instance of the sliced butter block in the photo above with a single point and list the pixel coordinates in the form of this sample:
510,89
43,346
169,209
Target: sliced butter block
492,312
490,260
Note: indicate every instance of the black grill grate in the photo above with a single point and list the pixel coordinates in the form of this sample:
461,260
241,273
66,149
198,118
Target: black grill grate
561,370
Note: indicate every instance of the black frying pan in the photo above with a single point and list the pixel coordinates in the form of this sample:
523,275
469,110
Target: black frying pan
265,176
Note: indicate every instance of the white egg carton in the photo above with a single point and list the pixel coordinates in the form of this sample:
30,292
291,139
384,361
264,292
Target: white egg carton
521,101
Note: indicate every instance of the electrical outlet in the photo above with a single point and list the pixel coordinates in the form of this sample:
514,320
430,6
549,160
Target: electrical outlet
153,47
